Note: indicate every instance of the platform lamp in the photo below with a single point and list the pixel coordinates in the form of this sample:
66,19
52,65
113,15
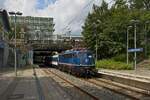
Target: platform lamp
15,14
95,34
146,28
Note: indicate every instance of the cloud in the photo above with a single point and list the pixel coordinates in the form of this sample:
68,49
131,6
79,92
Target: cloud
27,7
63,11
1,3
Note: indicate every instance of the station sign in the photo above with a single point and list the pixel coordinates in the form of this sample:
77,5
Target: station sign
135,50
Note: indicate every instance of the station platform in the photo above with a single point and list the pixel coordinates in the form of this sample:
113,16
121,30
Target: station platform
139,73
22,87
31,83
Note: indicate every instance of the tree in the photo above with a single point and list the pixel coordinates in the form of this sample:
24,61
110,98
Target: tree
1,28
140,4
110,26
120,4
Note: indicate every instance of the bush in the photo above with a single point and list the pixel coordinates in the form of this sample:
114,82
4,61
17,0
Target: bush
111,64
120,58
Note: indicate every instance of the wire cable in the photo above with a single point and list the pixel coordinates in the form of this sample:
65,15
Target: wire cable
79,14
70,22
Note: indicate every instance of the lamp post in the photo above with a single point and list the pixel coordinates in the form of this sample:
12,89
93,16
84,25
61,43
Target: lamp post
15,14
95,26
146,27
135,55
96,46
128,28
95,34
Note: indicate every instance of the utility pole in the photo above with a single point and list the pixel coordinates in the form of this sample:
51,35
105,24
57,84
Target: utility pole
128,28
146,27
135,45
95,35
95,26
96,45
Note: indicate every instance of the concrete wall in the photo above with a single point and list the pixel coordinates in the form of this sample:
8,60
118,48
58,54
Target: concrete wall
4,52
1,57
7,56
30,57
10,61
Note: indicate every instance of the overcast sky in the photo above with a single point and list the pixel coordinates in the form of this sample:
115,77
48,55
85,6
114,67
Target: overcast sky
63,11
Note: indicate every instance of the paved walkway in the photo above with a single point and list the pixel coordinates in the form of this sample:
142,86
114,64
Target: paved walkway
138,73
22,87
30,84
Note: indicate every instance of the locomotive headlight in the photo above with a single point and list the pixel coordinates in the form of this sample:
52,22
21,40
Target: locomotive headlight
90,56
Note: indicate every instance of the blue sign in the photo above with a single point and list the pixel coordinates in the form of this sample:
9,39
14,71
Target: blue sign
135,50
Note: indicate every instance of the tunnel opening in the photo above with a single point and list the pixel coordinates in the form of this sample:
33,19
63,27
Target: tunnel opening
43,57
40,57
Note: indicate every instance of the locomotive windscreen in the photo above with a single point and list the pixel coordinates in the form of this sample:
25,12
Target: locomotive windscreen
86,58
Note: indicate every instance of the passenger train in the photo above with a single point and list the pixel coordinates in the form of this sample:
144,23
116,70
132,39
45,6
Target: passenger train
76,62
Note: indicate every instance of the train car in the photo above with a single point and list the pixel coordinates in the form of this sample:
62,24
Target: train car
55,60
48,61
77,62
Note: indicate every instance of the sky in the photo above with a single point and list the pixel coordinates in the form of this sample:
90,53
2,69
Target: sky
67,14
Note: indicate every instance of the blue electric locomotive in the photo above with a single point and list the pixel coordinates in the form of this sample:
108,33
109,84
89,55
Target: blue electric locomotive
77,62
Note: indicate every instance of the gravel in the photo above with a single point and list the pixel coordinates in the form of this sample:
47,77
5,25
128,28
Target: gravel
97,91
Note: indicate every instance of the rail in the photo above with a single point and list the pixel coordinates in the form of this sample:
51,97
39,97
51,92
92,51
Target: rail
39,88
85,92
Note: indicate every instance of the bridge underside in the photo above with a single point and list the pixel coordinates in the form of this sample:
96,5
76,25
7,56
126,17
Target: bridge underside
51,48
42,51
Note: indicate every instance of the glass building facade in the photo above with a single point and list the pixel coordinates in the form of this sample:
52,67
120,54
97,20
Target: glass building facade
37,28
1,26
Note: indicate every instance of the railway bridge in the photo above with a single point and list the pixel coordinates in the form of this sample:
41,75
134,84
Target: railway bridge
41,51
46,48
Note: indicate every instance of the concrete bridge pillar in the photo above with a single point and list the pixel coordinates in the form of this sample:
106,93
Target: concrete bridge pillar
4,52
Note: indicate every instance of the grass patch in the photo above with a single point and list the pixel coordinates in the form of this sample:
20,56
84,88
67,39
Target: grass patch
111,64
120,58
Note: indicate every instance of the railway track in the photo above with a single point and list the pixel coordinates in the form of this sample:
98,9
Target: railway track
130,92
133,81
138,90
38,86
126,75
127,91
71,83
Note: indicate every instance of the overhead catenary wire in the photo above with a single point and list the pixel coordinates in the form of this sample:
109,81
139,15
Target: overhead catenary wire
80,20
74,18
79,14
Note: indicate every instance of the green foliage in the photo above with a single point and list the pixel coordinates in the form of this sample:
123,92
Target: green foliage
120,58
111,64
109,26
0,23
140,4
